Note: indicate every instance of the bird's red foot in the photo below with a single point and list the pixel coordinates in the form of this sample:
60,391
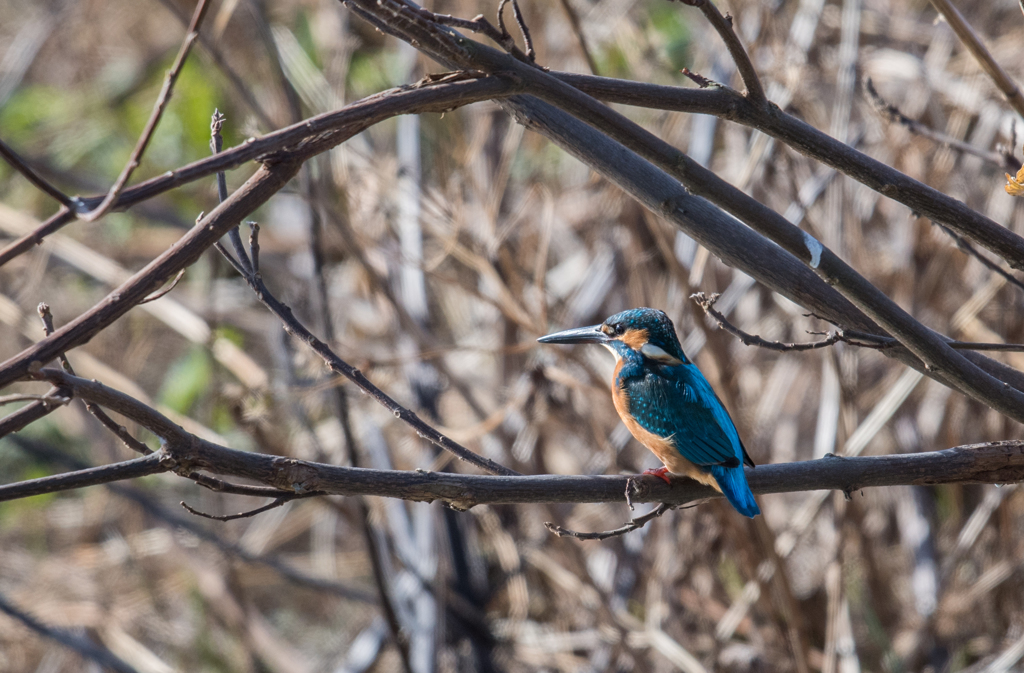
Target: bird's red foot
660,473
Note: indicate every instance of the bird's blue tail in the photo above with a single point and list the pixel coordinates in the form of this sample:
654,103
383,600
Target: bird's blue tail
733,482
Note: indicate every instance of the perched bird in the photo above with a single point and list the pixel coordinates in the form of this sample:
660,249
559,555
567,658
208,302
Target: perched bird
667,403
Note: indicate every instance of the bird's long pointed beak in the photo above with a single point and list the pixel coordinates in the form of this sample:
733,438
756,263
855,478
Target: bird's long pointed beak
579,335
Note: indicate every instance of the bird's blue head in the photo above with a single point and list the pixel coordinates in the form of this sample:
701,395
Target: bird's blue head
646,332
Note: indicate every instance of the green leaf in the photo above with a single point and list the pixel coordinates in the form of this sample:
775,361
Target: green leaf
186,380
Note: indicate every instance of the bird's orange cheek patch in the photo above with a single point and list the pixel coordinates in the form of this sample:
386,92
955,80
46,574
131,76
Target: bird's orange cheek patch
635,338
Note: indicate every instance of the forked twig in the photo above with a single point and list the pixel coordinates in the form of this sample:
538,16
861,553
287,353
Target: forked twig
154,118
634,524
847,336
30,174
165,291
723,26
109,423
893,114
242,515
216,145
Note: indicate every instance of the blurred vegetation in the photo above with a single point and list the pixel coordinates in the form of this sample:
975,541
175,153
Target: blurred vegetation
517,239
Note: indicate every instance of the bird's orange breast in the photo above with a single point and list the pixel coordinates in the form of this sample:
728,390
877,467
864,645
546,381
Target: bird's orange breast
663,447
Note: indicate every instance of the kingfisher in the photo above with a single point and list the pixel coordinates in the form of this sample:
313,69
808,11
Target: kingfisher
668,405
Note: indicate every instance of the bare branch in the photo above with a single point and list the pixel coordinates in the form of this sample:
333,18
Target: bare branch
129,469
154,118
974,45
1001,462
723,26
30,174
809,141
165,291
893,114
293,143
241,515
851,337
931,349
634,524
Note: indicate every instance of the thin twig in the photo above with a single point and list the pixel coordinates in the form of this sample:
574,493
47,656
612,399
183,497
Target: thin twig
221,486
970,39
241,515
707,302
294,143
154,463
577,30
893,114
109,423
254,246
14,399
481,25
634,524
30,174
698,79
339,366
525,30
213,51
723,26
164,292
216,145
30,413
847,336
964,245
154,118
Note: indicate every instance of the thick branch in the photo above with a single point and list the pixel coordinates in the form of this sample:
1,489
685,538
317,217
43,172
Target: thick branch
938,358
998,463
809,141
185,454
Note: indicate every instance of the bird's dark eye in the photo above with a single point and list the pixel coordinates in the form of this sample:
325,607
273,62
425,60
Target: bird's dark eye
619,329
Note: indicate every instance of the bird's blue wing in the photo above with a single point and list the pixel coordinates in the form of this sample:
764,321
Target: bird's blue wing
678,402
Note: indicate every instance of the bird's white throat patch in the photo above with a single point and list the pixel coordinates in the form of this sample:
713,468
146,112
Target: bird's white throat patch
658,354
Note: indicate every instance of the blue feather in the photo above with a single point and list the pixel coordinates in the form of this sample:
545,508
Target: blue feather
734,486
